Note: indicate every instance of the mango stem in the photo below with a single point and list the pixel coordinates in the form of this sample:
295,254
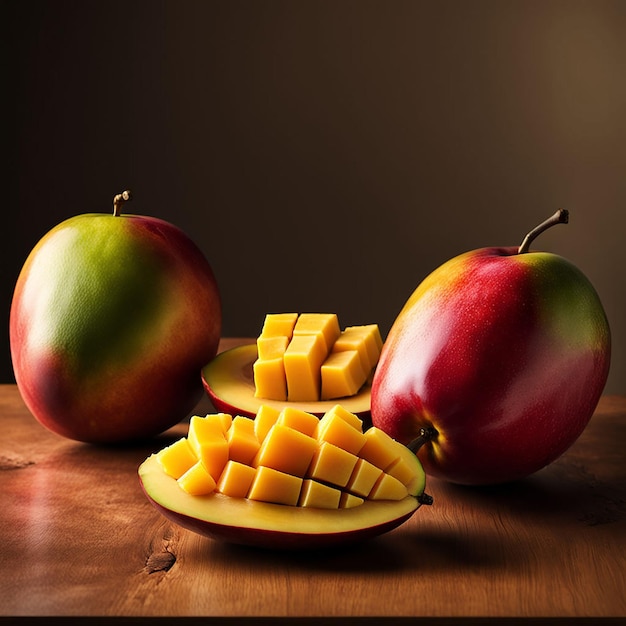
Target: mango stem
119,200
560,217
426,434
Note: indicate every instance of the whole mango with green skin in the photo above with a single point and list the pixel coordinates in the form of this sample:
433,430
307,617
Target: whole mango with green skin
112,318
498,358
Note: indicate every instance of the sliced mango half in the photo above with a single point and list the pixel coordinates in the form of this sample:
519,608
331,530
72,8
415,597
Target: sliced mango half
285,479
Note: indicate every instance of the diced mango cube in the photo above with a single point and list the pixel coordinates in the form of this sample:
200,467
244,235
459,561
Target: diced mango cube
314,494
279,324
272,485
363,479
225,419
379,448
270,380
401,470
303,361
324,324
242,441
204,428
236,479
298,420
336,430
177,458
272,346
269,368
372,339
266,417
332,464
354,420
287,450
353,340
388,488
196,481
342,375
349,500
214,455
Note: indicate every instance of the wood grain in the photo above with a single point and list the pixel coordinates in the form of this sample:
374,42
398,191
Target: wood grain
80,538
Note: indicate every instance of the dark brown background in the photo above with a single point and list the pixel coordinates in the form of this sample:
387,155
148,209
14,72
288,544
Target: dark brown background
325,155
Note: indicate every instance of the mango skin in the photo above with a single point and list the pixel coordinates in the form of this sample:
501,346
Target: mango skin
111,321
505,355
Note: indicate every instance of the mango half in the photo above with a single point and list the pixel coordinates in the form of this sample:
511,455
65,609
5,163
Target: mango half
228,381
308,482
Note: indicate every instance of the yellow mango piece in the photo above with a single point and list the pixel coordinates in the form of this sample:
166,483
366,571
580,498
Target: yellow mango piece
204,428
223,420
372,339
314,494
353,340
325,325
342,375
287,450
270,380
354,420
279,324
332,464
379,448
177,458
272,346
196,481
214,454
242,441
388,488
401,470
266,417
349,500
364,477
298,420
272,485
336,430
303,360
236,479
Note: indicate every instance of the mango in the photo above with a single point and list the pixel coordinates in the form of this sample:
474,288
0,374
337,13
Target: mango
112,318
307,358
307,484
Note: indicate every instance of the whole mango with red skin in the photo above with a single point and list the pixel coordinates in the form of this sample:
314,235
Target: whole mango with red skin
112,318
500,355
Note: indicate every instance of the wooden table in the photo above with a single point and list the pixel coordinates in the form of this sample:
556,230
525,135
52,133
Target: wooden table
80,538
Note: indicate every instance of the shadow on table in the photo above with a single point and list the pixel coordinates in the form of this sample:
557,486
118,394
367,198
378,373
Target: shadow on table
566,493
416,549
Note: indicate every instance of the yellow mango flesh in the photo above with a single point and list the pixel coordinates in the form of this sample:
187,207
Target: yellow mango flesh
292,458
307,358
236,479
177,458
318,495
272,485
332,464
303,362
270,378
325,325
342,375
197,481
243,444
279,324
287,450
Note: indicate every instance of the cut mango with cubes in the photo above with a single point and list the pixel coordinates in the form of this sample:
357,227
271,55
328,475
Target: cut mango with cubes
285,478
307,358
